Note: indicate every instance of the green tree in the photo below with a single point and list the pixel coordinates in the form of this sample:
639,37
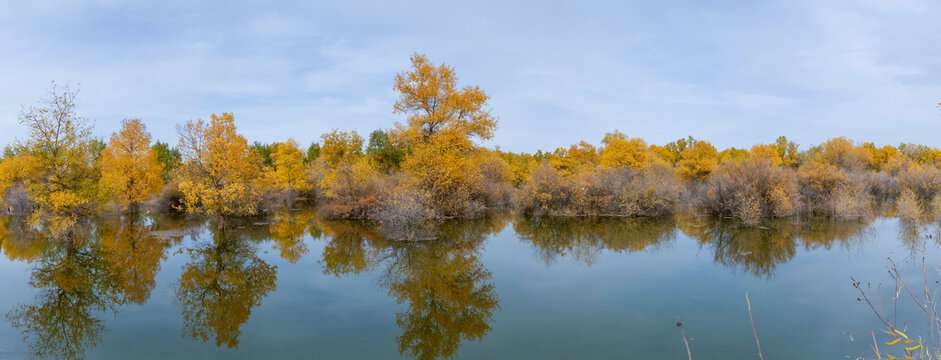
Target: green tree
384,154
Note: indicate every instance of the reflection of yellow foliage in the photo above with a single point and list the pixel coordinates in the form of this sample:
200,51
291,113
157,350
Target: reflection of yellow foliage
129,169
75,285
16,244
287,230
219,170
133,258
449,294
220,286
352,247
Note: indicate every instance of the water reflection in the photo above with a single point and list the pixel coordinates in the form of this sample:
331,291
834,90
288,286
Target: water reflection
221,284
79,280
585,238
759,250
449,294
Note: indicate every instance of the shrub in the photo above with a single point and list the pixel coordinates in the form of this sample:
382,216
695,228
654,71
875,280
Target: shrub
908,206
494,180
546,192
825,189
403,212
350,191
597,191
923,181
752,190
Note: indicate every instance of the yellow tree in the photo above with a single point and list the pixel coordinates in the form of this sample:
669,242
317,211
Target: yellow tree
129,169
698,161
619,151
288,172
767,152
219,169
61,177
341,147
443,122
438,109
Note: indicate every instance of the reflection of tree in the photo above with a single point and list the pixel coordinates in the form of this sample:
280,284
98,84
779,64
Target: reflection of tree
15,241
220,285
760,250
353,247
287,230
448,291
75,284
133,257
449,295
586,237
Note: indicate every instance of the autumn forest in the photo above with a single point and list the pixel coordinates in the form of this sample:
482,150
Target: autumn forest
431,167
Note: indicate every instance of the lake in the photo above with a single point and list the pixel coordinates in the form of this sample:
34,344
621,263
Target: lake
291,285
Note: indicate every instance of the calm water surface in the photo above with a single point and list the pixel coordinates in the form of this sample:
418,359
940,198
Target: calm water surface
501,287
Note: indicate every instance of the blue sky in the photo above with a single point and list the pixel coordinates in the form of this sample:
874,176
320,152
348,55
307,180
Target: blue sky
735,73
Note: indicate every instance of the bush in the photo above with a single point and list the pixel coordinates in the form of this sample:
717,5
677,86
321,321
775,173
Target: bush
923,181
351,191
547,191
17,201
494,181
825,189
908,206
170,198
752,190
596,191
403,210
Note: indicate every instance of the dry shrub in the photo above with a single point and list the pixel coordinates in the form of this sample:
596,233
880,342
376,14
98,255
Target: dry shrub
848,202
16,199
881,185
494,181
547,192
908,206
351,191
403,212
752,190
597,191
825,189
169,199
923,181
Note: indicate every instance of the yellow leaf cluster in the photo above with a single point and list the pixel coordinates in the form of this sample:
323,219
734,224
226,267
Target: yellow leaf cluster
619,151
698,161
219,171
288,172
438,110
129,169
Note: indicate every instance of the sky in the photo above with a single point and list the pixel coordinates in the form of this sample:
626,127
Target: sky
736,73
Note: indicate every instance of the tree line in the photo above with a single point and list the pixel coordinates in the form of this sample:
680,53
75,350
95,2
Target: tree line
432,166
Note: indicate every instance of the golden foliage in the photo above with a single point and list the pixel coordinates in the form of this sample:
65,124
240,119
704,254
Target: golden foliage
219,169
288,172
698,161
220,285
129,169
61,177
619,151
437,110
341,147
442,125
842,153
